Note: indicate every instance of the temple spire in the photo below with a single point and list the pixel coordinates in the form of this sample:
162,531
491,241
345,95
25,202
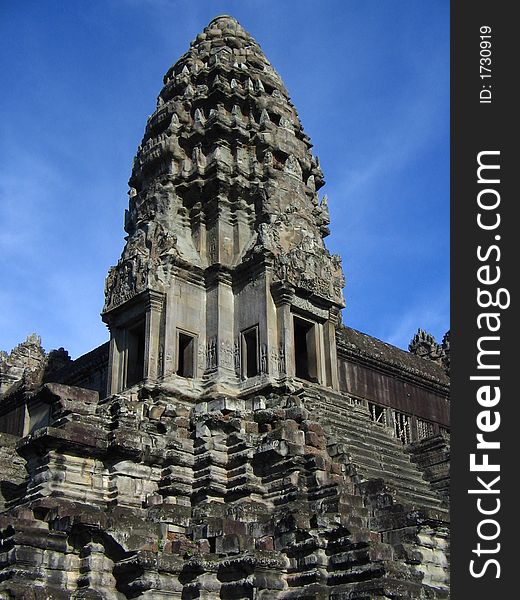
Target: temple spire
225,180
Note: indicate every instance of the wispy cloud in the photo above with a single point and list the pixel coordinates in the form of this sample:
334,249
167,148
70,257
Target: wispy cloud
431,314
28,186
419,121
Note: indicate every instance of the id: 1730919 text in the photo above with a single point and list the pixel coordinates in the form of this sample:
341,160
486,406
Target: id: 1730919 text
485,95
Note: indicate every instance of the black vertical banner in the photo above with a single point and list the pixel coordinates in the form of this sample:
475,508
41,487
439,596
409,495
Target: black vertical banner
485,168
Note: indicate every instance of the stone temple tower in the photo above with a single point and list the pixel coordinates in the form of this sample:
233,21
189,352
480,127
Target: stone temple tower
233,440
225,283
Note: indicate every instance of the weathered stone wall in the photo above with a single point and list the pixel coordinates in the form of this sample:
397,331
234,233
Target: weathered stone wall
153,496
89,371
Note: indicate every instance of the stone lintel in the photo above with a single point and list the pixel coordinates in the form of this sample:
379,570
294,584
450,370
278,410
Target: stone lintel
282,292
133,308
216,274
80,441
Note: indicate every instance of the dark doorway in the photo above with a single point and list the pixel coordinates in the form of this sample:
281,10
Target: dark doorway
305,358
186,355
250,352
135,354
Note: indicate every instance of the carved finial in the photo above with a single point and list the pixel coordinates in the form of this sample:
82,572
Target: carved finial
264,117
423,344
199,116
292,166
24,365
325,215
268,158
286,124
446,359
57,359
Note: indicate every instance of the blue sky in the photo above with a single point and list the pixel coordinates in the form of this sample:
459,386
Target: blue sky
370,81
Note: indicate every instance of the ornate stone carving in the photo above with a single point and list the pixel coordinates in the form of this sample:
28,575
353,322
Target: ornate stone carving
292,166
211,354
25,362
226,356
275,361
423,344
237,357
307,306
282,369
146,263
263,359
312,269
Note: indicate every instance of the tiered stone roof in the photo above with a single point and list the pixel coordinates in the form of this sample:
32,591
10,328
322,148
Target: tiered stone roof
224,141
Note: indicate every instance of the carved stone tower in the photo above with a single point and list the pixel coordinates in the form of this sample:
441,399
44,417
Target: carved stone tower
225,284
232,441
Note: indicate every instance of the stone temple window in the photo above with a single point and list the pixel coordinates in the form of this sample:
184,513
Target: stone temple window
250,367
39,415
305,352
185,354
402,427
135,337
377,413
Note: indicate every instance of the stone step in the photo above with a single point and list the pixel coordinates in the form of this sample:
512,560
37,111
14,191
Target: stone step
400,484
376,454
364,446
411,498
369,431
383,461
411,479
361,448
407,497
384,438
354,419
417,500
357,423
390,454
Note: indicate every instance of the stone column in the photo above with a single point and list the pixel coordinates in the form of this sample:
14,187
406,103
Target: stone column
331,356
283,294
153,334
115,370
220,324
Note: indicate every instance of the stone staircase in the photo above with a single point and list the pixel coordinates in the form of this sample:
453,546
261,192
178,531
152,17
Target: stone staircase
371,452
